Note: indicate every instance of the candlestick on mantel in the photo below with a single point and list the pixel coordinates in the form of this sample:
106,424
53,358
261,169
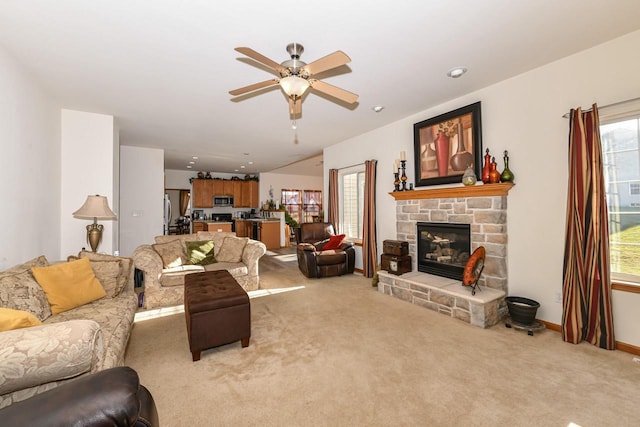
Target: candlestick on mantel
403,177
403,155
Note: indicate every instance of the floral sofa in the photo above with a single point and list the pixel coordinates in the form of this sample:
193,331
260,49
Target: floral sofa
166,262
63,346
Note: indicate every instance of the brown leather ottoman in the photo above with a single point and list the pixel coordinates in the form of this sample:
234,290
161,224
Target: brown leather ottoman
217,310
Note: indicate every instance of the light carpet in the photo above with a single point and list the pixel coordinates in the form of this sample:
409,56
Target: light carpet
335,352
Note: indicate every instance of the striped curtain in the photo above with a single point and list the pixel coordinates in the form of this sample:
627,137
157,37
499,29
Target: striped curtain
334,200
586,310
369,245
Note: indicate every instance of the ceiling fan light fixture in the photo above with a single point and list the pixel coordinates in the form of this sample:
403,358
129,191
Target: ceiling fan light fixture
294,85
456,72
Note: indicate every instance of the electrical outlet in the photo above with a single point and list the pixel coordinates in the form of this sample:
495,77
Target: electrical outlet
558,297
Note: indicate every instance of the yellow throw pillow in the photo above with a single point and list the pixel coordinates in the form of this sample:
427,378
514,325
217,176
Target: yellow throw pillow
69,285
15,319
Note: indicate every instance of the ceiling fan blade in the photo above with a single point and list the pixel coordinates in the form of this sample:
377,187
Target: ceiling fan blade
328,62
336,92
261,58
295,107
253,87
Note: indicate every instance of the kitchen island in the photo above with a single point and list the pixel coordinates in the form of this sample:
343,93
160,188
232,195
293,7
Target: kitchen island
212,226
266,230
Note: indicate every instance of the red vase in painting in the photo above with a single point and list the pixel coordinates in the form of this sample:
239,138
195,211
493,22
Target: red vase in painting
443,152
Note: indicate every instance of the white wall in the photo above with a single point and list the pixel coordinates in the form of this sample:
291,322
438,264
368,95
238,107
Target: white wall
178,179
88,167
279,181
29,167
523,115
141,196
115,206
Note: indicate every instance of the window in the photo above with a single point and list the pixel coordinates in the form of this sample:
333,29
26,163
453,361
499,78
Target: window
352,202
292,201
620,136
312,206
303,205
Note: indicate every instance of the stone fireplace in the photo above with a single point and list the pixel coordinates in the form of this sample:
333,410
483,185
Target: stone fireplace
483,208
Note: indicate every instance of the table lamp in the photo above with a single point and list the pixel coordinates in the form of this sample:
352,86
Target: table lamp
96,207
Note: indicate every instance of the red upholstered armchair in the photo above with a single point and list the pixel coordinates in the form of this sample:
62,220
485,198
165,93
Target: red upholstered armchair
315,260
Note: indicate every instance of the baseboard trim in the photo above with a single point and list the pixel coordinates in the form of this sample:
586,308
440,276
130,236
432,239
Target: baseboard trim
552,326
358,270
627,348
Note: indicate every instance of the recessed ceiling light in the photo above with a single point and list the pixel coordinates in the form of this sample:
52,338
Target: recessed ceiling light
250,163
195,157
242,167
192,163
236,170
189,166
456,72
377,108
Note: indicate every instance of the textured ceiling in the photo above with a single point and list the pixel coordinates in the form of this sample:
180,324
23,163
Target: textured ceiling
164,68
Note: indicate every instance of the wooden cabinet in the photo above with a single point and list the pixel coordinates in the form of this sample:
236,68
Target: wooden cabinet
219,226
245,193
199,226
218,187
270,234
227,187
250,194
237,193
243,228
202,193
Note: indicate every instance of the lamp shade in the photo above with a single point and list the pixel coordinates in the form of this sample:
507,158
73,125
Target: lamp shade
95,207
294,85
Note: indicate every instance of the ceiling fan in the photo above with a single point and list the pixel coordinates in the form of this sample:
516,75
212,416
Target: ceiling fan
296,76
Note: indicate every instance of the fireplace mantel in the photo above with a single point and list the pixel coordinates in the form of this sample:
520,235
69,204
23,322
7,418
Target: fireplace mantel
484,190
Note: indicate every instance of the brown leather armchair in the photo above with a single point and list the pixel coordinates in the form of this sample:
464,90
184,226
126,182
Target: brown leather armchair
313,261
113,397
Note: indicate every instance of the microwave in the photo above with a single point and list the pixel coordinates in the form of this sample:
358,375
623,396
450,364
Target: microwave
222,201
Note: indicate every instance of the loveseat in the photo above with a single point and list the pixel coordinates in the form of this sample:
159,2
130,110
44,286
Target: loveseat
166,262
56,348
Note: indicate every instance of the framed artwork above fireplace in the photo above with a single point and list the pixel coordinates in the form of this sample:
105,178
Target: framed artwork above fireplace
445,145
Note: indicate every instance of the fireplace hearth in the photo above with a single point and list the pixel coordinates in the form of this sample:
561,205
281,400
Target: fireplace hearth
443,248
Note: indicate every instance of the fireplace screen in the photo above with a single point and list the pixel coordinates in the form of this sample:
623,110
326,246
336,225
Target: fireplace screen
443,248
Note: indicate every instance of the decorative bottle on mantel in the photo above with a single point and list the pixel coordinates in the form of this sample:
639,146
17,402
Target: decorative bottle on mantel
507,175
494,175
486,169
469,176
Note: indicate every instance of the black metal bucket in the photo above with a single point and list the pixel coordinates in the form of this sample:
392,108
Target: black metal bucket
522,310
